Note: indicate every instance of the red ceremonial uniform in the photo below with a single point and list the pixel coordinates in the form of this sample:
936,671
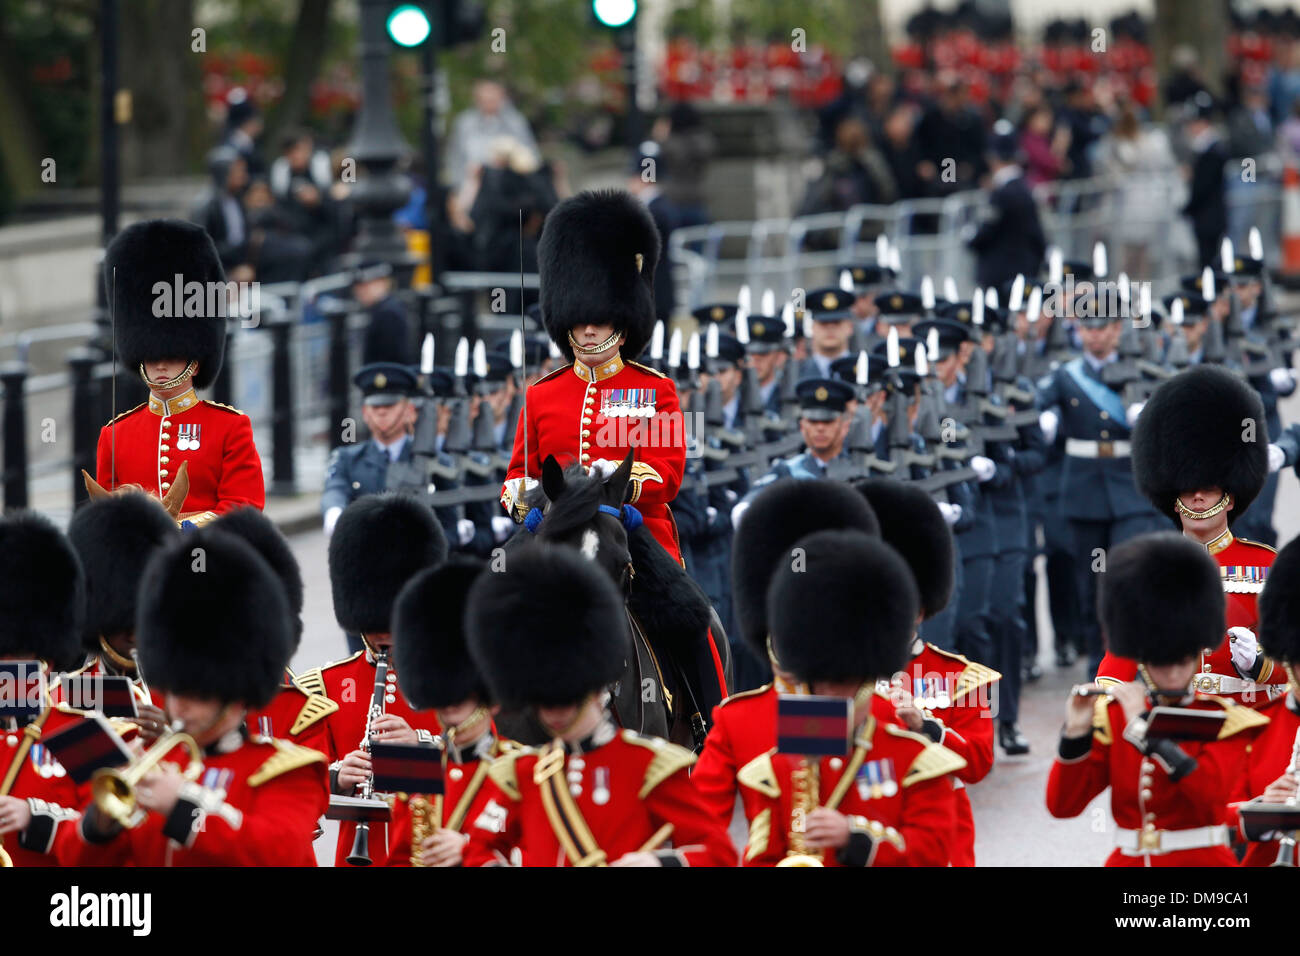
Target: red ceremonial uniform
624,790
296,713
744,727
259,804
581,414
146,446
350,684
40,777
1243,566
1145,803
1268,757
894,781
958,694
455,809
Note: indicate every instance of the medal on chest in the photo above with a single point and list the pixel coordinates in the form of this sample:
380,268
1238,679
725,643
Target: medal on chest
931,692
876,779
188,437
627,402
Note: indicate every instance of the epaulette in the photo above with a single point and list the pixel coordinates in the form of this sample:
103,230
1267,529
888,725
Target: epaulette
127,412
317,708
551,374
311,682
646,368
934,760
503,774
229,408
760,776
340,662
1258,544
1101,719
668,759
287,756
1236,717
973,675
741,695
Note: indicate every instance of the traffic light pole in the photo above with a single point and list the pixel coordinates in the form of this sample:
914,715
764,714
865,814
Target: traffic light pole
627,44
433,196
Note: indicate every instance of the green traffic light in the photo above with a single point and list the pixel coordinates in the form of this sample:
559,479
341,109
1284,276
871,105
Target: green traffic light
614,13
408,25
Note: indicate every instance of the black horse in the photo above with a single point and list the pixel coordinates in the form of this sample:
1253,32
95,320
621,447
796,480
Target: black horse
681,666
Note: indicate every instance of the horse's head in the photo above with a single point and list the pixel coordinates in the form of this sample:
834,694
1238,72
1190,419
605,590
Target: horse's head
173,500
586,512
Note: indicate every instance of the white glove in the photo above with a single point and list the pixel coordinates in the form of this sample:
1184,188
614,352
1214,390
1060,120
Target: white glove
951,513
502,527
710,513
1276,457
1245,649
331,519
737,513
602,468
984,468
518,491
1048,422
1282,379
1134,411
465,529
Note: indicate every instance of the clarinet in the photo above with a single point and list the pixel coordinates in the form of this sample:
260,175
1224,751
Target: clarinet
360,855
1286,845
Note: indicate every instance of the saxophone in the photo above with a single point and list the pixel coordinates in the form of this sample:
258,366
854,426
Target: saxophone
805,785
424,823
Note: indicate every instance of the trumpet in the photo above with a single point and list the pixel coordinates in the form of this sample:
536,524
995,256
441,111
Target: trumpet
1286,845
114,790
360,855
806,784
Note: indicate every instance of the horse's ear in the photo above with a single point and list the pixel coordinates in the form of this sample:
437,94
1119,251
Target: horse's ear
93,488
618,481
174,499
552,478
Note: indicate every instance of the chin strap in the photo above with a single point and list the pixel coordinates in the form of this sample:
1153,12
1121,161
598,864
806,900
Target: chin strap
593,349
1187,512
189,370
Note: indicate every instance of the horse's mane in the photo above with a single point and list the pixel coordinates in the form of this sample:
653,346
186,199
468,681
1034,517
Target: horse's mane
582,494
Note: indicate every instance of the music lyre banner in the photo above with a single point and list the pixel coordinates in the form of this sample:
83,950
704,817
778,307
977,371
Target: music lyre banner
88,745
1184,723
22,690
408,768
111,696
814,726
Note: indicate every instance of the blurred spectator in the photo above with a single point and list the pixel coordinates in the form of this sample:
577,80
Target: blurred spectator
1010,240
851,102
1250,126
951,130
685,149
475,130
664,214
300,181
1289,134
1044,146
855,172
388,335
1132,157
1185,79
243,127
220,211
1284,84
276,250
1086,123
1206,205
899,148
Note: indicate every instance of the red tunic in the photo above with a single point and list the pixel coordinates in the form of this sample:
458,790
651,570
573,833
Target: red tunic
277,791
350,683
964,709
146,446
1242,565
581,419
744,726
1141,792
1268,757
40,776
625,789
893,779
296,713
458,807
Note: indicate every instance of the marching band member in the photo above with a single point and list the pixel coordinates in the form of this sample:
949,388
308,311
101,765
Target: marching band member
294,713
379,544
1192,459
596,260
429,645
1160,604
943,695
175,354
42,596
550,632
841,618
254,800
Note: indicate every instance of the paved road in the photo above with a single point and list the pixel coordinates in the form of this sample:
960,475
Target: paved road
1012,824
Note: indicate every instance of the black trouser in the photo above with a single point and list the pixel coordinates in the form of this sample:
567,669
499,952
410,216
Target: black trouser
1007,629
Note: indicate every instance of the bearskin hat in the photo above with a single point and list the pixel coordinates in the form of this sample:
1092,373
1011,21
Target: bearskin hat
115,537
847,611
1189,436
1160,600
429,636
380,541
589,271
1279,606
778,517
42,591
259,531
157,251
213,620
912,524
549,629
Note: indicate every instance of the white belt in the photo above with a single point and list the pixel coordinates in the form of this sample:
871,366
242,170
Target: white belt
1143,842
1080,448
1224,684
